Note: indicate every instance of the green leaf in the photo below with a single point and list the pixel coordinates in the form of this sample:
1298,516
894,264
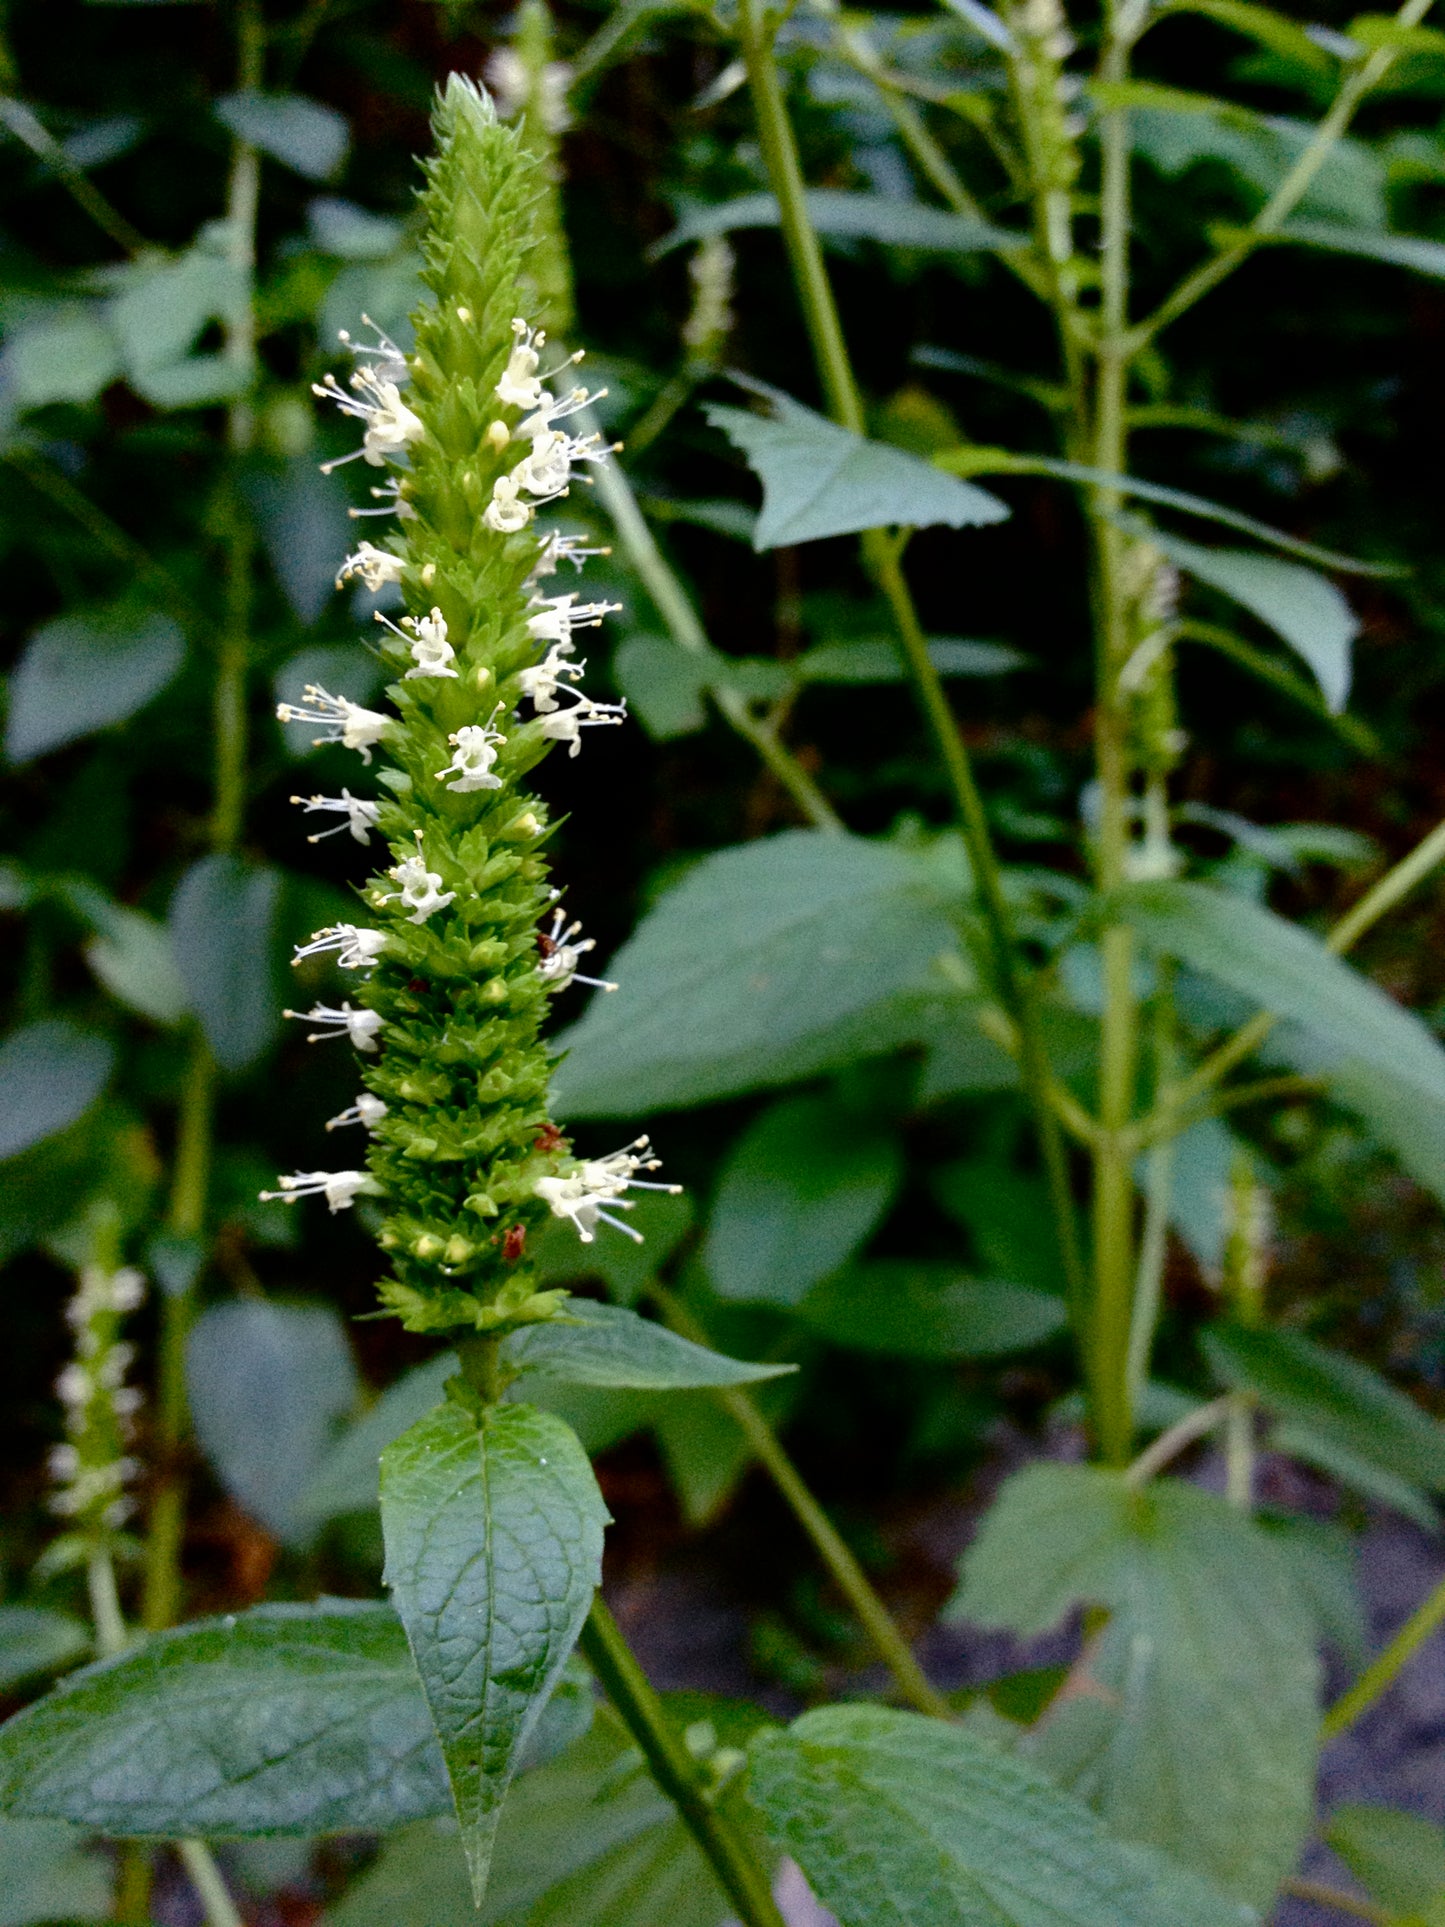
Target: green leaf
903,1821
664,684
1265,26
302,134
267,1383
83,672
50,1874
1341,1399
1302,607
1008,1218
835,213
493,1527
1398,1858
1197,1730
50,1074
349,232
1174,131
286,1719
131,955
1356,1473
224,935
820,480
163,307
302,517
34,1640
1395,250
594,1344
767,963
347,1477
801,1191
914,1309
69,356
875,659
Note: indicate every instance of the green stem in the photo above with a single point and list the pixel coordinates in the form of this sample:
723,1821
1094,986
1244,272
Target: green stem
1291,190
27,128
881,552
1185,1432
205,1876
672,1766
1158,1188
1382,1671
1323,1896
105,1612
1262,665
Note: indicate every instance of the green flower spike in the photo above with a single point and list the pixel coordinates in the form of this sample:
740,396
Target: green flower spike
456,971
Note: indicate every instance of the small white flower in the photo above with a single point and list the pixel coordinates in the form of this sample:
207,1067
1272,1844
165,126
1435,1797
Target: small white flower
73,1387
375,400
430,649
360,815
557,616
355,949
566,725
540,682
360,1026
521,386
344,721
375,566
547,471
506,512
392,503
339,1188
554,547
476,747
561,954
367,1110
513,84
594,1182
420,889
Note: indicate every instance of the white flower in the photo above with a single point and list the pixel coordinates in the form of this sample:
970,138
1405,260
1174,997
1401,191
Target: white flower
551,409
390,497
554,547
513,84
540,682
375,566
339,1188
521,386
344,721
506,513
376,401
476,751
367,1110
561,955
360,1026
420,887
565,725
595,1182
356,949
360,815
557,617
430,650
547,471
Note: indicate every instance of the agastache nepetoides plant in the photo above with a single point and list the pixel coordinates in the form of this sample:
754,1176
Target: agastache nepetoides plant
462,948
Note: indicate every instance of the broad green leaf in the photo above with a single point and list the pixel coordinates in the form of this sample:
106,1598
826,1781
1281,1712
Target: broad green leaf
34,1640
493,1526
347,1477
802,1189
163,307
131,955
83,672
1341,1399
594,1344
664,684
302,134
855,217
819,479
1175,131
50,1874
302,517
1323,1558
1196,1732
50,1074
1355,1472
902,1821
1008,1217
1203,1158
1398,1858
1263,25
1395,250
875,659
1302,607
223,930
767,963
705,1452
267,1383
69,356
286,1719
915,1309
1374,30
349,232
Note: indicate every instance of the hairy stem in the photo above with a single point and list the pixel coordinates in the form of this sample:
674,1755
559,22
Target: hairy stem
1382,1671
675,1771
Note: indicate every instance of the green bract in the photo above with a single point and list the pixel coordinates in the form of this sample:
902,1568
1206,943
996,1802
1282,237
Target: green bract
448,1018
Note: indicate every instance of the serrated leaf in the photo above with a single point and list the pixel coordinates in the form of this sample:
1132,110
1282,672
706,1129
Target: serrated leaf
83,672
902,1821
875,659
820,480
1398,1858
51,1874
224,936
1340,1399
493,1527
594,1344
914,1309
765,964
302,134
1303,608
267,1383
287,1719
50,1074
802,1189
850,216
1196,1731
35,1640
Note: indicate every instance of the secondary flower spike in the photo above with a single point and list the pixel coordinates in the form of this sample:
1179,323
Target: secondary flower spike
462,949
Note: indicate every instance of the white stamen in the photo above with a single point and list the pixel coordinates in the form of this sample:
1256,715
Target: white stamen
375,399
539,683
360,1026
420,887
345,722
360,815
561,955
557,617
389,495
595,1182
476,747
565,725
430,649
375,566
356,949
367,1110
555,547
339,1188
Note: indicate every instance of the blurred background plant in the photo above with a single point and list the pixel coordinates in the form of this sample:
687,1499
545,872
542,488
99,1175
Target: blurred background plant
196,199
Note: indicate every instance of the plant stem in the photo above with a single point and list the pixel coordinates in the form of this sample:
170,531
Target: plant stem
1381,1672
19,120
1180,1436
205,1875
849,1577
105,1612
672,1766
1323,1896
1158,1188
881,555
